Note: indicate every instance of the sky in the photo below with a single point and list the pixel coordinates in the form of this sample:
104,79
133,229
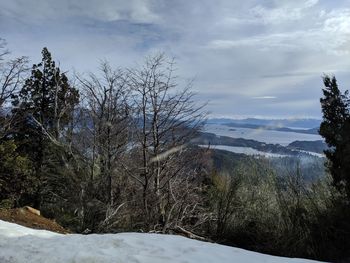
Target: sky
247,58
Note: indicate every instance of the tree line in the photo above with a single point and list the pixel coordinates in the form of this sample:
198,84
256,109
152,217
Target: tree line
104,151
110,151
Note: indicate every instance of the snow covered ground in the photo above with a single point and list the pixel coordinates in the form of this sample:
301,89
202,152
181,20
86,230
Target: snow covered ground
25,245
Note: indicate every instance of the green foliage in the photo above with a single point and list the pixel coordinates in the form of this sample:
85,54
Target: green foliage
44,109
16,178
335,128
44,105
47,95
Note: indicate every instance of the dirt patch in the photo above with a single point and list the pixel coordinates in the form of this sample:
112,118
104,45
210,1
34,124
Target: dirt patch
26,218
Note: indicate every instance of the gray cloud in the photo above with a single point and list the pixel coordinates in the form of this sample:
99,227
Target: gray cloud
235,50
106,10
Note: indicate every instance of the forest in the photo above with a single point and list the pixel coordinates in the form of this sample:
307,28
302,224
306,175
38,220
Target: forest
111,151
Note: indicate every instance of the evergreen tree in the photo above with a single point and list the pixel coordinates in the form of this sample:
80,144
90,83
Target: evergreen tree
43,109
335,128
16,181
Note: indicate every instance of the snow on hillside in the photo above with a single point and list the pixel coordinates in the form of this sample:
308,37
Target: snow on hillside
21,244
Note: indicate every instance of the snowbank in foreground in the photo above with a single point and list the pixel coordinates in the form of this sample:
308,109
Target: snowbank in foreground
21,244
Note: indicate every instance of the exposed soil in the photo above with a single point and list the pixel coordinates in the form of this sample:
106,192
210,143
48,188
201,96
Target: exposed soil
24,217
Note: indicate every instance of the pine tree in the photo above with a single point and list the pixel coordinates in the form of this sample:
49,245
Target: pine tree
43,108
335,128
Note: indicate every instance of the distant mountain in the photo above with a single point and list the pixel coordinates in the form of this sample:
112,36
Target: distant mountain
310,146
293,149
311,167
272,128
291,123
212,139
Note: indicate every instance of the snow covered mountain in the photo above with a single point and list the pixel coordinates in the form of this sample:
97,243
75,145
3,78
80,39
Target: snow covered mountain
19,244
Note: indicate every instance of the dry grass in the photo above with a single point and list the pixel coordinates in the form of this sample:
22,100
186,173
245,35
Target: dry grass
24,217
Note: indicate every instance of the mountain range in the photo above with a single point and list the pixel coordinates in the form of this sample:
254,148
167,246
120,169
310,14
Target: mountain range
306,123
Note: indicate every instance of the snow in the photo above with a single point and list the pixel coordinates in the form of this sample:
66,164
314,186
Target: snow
254,152
243,150
21,244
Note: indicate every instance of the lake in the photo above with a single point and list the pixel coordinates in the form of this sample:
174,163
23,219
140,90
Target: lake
261,135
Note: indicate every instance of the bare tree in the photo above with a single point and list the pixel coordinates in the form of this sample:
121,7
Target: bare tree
225,200
166,118
12,73
11,77
105,103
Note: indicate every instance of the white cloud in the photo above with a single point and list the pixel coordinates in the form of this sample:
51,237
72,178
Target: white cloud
265,97
331,38
264,42
338,21
236,50
295,104
285,11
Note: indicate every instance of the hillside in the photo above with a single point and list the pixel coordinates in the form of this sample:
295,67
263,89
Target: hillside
272,128
20,244
295,148
310,146
213,139
23,216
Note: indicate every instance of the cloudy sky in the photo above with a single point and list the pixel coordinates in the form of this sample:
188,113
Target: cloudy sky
248,58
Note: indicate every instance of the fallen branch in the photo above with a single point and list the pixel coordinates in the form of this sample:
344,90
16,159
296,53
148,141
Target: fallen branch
189,234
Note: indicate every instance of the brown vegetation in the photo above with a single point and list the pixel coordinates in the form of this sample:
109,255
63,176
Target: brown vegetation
25,217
